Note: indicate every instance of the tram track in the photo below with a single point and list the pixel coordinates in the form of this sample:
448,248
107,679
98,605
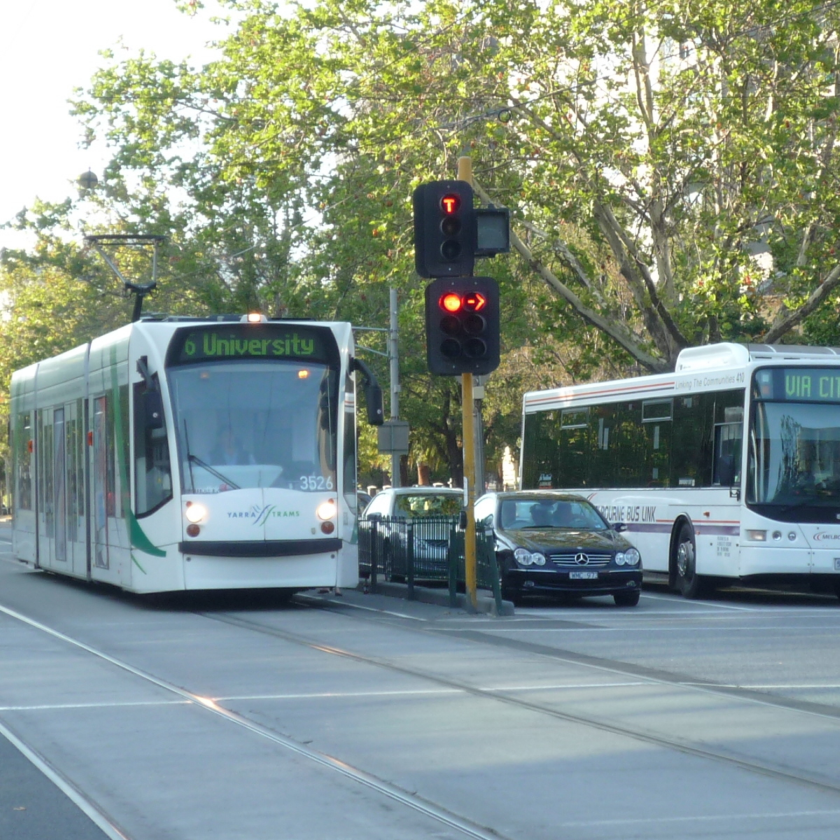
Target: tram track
111,827
649,675
408,798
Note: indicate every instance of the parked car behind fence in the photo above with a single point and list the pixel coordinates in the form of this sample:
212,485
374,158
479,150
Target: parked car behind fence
427,549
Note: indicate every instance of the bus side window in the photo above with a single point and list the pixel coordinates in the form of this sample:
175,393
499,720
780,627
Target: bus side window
727,465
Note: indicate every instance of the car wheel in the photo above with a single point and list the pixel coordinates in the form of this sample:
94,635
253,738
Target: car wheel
507,593
627,599
689,584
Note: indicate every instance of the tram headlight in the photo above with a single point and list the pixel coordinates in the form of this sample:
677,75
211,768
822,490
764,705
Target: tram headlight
195,512
327,510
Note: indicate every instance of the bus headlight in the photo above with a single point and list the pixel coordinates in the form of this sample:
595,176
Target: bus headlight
195,512
326,510
756,536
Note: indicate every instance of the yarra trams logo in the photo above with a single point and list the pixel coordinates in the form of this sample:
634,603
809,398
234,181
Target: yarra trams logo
260,515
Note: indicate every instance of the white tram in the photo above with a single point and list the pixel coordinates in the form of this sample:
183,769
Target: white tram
178,454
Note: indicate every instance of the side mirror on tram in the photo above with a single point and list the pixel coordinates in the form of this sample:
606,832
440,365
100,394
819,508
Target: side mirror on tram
373,400
373,393
153,409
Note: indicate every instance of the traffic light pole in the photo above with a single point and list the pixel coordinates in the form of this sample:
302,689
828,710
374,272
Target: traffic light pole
462,311
467,424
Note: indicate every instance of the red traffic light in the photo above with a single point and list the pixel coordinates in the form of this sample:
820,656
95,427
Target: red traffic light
474,301
451,302
444,229
462,325
450,203
468,301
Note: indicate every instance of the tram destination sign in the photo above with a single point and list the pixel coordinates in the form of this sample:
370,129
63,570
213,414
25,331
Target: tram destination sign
798,384
228,342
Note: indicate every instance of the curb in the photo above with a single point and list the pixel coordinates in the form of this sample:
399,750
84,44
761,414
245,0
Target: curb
485,603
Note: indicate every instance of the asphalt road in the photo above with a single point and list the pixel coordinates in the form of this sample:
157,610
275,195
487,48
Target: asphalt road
235,716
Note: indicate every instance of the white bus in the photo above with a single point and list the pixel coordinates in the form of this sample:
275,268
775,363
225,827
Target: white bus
176,454
726,470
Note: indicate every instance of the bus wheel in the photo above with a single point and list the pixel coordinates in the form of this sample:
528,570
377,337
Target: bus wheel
689,583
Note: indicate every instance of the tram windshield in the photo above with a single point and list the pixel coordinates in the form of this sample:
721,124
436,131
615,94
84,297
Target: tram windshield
794,461
255,423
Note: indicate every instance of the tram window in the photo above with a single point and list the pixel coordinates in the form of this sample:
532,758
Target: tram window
24,472
152,470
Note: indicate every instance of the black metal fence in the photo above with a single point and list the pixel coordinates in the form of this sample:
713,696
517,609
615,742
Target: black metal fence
428,548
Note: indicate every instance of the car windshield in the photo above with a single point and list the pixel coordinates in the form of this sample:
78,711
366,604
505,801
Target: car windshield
427,504
550,513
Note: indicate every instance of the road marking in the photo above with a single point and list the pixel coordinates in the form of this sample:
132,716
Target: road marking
62,706
703,818
356,774
84,805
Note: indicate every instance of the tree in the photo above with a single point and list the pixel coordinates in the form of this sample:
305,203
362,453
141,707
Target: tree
670,167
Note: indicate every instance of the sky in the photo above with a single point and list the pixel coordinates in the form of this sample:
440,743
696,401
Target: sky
50,47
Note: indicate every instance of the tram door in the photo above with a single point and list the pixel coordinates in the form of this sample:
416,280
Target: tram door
59,500
100,484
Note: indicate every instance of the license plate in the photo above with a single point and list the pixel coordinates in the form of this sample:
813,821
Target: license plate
583,575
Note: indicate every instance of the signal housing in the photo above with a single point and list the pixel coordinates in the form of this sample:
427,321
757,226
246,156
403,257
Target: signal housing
462,325
445,232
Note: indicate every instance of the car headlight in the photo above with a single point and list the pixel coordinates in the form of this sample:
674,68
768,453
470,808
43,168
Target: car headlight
631,557
528,558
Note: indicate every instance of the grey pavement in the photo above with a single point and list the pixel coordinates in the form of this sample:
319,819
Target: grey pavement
32,807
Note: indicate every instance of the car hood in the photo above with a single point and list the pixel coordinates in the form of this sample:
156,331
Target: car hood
550,539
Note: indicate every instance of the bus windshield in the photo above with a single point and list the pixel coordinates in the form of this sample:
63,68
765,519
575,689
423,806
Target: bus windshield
794,460
255,423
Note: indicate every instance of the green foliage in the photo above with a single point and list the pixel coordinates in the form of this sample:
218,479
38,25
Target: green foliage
671,169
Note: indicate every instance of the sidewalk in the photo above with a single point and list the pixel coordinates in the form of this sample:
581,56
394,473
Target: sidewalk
439,596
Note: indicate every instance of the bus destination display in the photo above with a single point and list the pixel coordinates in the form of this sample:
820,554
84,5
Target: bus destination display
798,384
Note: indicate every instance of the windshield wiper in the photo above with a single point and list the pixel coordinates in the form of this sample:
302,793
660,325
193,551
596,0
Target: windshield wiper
194,459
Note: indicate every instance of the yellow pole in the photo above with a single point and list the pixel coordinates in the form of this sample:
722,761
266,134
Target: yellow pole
465,174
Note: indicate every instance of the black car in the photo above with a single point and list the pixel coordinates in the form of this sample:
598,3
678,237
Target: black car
553,543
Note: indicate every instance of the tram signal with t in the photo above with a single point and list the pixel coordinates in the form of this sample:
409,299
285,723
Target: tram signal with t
462,325
445,235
